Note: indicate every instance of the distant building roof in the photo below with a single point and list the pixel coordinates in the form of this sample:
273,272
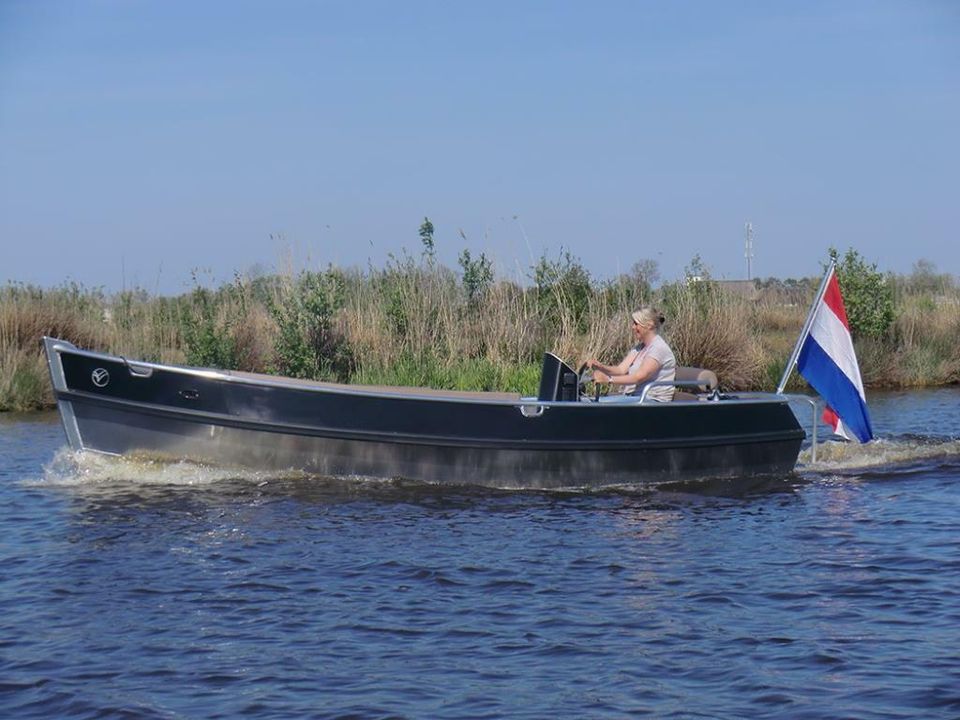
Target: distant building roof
742,288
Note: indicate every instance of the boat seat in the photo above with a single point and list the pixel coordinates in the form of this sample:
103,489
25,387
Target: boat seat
687,393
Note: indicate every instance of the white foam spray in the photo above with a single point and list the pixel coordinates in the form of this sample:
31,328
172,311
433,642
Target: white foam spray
892,453
80,468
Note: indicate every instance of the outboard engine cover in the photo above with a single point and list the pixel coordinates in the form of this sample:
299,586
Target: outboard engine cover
558,381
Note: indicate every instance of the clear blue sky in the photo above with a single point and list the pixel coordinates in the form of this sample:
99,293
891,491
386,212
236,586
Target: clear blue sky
140,140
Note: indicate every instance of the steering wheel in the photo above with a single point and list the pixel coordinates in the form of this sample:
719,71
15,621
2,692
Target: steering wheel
584,376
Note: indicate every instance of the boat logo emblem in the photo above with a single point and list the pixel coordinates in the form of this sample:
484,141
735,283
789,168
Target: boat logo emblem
100,377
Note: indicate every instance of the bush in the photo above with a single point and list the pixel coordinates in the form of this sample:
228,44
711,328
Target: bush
563,290
309,344
206,331
867,295
477,277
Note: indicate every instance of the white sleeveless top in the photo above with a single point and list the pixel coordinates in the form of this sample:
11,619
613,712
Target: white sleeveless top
661,352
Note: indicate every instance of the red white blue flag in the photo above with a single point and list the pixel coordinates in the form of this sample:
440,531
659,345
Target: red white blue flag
827,361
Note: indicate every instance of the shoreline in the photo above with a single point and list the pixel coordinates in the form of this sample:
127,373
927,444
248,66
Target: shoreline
418,323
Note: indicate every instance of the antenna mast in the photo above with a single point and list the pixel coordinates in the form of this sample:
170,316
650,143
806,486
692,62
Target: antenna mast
748,248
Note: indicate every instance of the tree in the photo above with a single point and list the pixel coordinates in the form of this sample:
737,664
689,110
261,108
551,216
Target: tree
645,273
477,275
426,237
697,270
925,279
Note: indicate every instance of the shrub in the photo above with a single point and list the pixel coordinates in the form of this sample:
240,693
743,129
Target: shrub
563,291
477,276
309,344
206,331
867,295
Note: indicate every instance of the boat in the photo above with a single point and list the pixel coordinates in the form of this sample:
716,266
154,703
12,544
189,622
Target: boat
563,437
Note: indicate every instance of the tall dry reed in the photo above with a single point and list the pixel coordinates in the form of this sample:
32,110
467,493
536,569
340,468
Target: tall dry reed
711,328
415,322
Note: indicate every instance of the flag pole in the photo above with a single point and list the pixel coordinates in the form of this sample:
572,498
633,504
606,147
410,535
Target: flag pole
806,327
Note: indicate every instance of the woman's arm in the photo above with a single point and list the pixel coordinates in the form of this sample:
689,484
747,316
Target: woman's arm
614,369
648,369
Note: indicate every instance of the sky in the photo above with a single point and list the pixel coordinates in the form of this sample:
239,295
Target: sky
144,141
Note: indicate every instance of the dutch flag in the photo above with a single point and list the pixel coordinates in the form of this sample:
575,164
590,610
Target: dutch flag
827,361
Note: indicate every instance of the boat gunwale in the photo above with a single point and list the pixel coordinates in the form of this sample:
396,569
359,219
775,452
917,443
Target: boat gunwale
453,396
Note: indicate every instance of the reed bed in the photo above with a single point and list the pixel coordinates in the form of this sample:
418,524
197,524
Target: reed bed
415,322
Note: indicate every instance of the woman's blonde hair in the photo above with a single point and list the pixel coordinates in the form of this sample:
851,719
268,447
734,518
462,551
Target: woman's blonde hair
648,317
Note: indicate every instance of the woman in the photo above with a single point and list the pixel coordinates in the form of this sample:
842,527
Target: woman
651,360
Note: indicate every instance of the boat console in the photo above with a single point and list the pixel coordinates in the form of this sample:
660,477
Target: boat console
558,381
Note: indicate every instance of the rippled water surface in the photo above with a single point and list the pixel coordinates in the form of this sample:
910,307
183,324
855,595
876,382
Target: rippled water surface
129,589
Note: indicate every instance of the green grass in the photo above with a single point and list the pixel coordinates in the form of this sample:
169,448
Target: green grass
469,374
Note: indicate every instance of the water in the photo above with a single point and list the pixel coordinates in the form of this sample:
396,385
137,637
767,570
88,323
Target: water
136,590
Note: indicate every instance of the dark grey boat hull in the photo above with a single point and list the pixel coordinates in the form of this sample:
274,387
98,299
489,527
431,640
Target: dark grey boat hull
226,419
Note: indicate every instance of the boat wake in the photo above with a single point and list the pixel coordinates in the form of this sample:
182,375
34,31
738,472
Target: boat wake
895,454
139,477
72,468
90,471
